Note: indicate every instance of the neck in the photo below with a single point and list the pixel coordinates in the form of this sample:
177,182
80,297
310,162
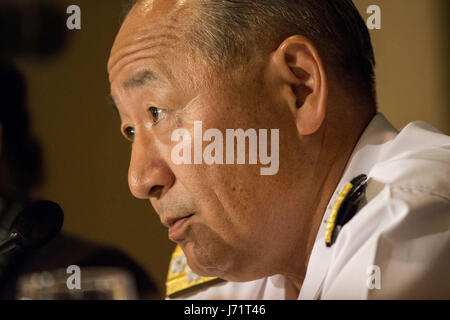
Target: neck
332,158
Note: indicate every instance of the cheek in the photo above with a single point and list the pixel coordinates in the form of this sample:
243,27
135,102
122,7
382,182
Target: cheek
223,196
220,226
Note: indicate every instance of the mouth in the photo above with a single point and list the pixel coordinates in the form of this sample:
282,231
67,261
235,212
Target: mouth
177,227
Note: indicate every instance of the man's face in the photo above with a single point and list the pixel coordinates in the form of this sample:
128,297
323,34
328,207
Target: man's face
230,221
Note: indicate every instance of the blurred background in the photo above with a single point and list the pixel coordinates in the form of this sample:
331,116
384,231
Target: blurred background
86,159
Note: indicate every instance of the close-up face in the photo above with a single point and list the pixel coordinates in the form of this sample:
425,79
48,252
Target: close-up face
224,216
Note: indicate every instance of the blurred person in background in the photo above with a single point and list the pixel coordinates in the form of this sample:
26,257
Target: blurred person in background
21,171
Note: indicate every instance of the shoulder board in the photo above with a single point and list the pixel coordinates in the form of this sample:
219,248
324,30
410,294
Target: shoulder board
345,207
181,279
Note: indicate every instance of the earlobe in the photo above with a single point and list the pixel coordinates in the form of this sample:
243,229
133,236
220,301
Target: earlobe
305,79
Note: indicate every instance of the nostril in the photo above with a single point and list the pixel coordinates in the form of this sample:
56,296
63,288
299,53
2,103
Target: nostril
156,191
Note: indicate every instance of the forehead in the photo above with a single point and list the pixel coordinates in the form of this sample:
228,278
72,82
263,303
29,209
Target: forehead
152,34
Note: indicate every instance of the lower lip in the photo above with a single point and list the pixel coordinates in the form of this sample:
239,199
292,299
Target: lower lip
176,231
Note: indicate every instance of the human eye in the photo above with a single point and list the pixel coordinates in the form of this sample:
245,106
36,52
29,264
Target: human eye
157,114
129,133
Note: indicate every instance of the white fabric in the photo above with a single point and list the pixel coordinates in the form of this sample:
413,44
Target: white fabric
272,288
404,227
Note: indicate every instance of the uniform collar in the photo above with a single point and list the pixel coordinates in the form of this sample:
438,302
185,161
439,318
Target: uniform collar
366,154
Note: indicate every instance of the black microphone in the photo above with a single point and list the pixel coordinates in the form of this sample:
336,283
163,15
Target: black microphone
36,225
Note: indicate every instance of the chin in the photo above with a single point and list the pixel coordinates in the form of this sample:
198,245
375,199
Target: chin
212,263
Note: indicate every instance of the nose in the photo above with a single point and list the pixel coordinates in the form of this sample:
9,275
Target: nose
149,176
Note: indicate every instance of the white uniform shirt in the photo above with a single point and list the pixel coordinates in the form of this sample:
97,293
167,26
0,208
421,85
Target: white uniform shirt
397,245
272,288
400,240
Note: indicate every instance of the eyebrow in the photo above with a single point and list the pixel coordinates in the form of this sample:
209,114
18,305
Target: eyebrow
140,79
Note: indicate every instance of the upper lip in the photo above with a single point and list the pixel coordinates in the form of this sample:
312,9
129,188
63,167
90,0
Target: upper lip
169,222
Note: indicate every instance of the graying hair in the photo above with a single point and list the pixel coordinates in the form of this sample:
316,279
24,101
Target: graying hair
229,33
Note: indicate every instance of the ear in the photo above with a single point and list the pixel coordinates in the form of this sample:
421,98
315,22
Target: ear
300,69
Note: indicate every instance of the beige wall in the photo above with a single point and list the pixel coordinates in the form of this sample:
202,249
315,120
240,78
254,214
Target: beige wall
412,53
87,159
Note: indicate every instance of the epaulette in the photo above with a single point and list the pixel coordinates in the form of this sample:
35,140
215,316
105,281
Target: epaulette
345,207
181,279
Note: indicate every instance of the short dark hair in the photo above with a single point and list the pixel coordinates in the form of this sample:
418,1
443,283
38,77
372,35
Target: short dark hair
230,32
20,150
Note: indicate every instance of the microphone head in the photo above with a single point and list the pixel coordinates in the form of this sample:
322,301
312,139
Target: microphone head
38,223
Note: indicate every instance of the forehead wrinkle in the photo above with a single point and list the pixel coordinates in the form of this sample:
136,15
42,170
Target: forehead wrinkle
135,57
129,44
127,86
132,49
133,45
145,24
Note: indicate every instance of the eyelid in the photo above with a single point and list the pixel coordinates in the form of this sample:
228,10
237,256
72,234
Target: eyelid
163,113
125,129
